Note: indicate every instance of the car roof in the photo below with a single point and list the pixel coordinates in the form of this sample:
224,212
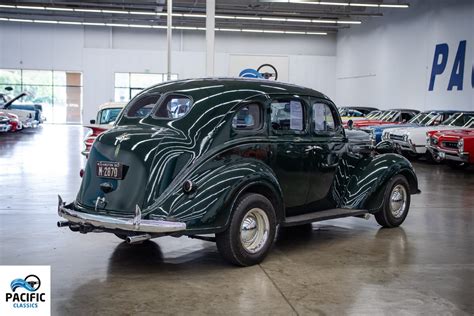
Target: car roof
259,85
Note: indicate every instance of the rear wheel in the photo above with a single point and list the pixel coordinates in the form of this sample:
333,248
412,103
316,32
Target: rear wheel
396,203
251,232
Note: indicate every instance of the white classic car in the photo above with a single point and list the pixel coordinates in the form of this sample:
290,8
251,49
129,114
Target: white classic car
412,140
106,116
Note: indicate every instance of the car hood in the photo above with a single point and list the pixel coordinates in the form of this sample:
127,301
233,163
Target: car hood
459,133
151,157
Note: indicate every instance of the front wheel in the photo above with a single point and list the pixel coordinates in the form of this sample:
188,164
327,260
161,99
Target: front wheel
396,203
251,232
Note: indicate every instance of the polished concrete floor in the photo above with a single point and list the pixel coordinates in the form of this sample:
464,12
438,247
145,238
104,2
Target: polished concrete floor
339,267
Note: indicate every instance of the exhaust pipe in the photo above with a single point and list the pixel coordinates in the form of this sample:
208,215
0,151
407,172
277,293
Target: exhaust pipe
138,239
63,223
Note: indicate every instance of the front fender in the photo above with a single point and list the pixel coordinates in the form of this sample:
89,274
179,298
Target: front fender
369,177
217,184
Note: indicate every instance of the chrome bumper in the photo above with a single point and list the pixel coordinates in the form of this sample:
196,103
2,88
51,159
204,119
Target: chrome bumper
136,224
448,155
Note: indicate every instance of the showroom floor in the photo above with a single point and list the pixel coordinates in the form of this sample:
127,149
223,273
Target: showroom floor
348,266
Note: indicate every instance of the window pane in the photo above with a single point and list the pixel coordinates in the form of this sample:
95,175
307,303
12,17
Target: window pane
59,78
122,95
323,118
145,80
107,116
174,107
38,77
16,90
287,115
247,118
9,77
174,76
142,106
122,80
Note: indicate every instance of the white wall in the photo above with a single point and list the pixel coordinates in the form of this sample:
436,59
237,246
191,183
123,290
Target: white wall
387,62
99,52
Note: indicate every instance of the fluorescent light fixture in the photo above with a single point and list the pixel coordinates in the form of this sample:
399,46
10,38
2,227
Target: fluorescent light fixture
21,20
7,6
117,24
298,20
334,3
70,22
373,5
27,7
58,9
46,22
349,22
115,12
228,30
248,18
402,6
194,15
93,24
88,10
143,12
273,19
194,28
324,21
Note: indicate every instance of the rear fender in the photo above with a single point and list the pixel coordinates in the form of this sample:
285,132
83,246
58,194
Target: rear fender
218,183
366,184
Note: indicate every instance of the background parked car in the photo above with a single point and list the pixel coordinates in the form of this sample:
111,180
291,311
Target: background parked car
4,123
412,141
26,113
397,116
15,123
106,116
428,118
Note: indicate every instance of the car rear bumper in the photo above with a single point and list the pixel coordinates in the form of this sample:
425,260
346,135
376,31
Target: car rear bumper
86,222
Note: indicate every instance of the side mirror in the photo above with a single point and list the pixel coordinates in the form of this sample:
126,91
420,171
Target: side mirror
92,121
350,124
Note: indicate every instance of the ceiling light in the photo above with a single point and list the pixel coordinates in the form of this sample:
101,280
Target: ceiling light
299,20
58,9
334,3
349,22
29,7
159,26
403,6
273,19
115,11
7,6
363,4
323,21
142,12
88,10
247,18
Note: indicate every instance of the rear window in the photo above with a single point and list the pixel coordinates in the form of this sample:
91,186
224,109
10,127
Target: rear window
173,107
142,106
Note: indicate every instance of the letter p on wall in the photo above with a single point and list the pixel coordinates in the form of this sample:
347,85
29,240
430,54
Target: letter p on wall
440,61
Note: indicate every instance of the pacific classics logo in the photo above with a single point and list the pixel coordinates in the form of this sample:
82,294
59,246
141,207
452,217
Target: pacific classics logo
27,295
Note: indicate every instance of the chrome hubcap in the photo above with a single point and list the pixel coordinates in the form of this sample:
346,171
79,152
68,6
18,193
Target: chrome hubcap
398,201
254,230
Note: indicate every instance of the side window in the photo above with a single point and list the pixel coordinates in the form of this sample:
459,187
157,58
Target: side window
248,117
142,106
174,106
406,116
323,118
287,115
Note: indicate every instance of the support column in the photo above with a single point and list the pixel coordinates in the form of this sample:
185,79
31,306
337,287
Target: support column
210,33
169,26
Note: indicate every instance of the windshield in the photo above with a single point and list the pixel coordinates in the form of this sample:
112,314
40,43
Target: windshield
462,119
390,116
470,124
373,114
429,118
107,116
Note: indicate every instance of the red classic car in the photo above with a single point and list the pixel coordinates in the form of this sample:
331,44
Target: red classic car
15,123
388,117
106,117
456,147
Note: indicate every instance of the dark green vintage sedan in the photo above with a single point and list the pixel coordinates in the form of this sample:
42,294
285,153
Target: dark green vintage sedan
236,158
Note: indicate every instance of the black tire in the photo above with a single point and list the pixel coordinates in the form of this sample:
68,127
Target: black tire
229,242
384,215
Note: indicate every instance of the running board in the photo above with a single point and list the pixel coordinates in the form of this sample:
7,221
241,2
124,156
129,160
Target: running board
322,216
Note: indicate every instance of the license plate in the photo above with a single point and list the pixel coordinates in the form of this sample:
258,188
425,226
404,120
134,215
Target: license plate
108,169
